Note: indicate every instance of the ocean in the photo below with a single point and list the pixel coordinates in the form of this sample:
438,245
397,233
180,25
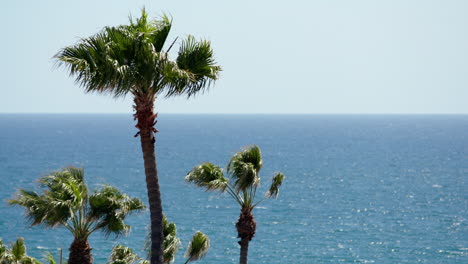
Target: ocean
359,188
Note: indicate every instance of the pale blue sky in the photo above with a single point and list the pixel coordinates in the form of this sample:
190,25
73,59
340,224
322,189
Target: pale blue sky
329,56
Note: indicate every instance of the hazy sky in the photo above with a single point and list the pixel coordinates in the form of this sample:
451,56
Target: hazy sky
307,56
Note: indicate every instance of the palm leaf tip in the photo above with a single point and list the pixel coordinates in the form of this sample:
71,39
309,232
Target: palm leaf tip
250,155
198,247
50,258
19,249
171,242
122,254
275,185
208,176
2,248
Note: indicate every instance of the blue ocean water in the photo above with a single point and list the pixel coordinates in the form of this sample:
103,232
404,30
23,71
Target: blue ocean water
359,188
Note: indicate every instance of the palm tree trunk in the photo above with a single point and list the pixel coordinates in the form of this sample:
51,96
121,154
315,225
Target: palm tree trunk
80,252
146,121
244,250
246,227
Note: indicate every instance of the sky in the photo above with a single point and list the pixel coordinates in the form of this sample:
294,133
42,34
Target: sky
309,57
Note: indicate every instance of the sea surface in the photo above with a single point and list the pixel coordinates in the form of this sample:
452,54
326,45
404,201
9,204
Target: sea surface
359,188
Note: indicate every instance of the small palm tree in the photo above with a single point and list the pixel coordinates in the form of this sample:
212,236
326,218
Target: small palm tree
124,255
244,168
130,59
66,202
171,241
197,249
16,254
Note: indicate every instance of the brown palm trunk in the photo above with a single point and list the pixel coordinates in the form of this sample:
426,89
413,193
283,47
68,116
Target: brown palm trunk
146,121
244,250
80,252
246,230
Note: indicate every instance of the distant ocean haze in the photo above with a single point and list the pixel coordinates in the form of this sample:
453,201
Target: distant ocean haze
358,188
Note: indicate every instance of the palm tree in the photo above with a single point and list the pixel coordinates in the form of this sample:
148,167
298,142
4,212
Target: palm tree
197,249
243,168
130,59
125,255
67,202
16,254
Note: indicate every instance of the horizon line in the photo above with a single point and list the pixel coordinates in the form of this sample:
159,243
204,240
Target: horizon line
131,113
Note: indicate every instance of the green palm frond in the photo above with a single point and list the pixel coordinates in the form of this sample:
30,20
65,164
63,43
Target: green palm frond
2,249
171,241
156,31
276,182
208,176
109,207
16,254
251,155
29,260
244,168
122,255
170,247
19,249
245,177
196,59
49,257
198,247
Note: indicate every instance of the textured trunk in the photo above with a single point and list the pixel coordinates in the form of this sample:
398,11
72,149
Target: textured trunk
80,252
246,230
244,250
146,121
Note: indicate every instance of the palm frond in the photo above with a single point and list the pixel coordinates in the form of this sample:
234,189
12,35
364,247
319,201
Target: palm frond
208,176
198,247
196,60
250,154
122,255
2,249
171,242
29,260
50,208
50,258
244,168
19,249
109,207
276,182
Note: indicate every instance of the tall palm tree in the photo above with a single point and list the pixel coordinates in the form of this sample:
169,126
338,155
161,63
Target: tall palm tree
130,59
66,202
243,168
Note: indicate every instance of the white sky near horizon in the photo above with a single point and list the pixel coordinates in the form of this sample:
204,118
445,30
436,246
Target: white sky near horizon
329,56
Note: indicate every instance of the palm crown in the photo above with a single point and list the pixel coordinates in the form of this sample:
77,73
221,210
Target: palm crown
130,58
243,168
66,201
